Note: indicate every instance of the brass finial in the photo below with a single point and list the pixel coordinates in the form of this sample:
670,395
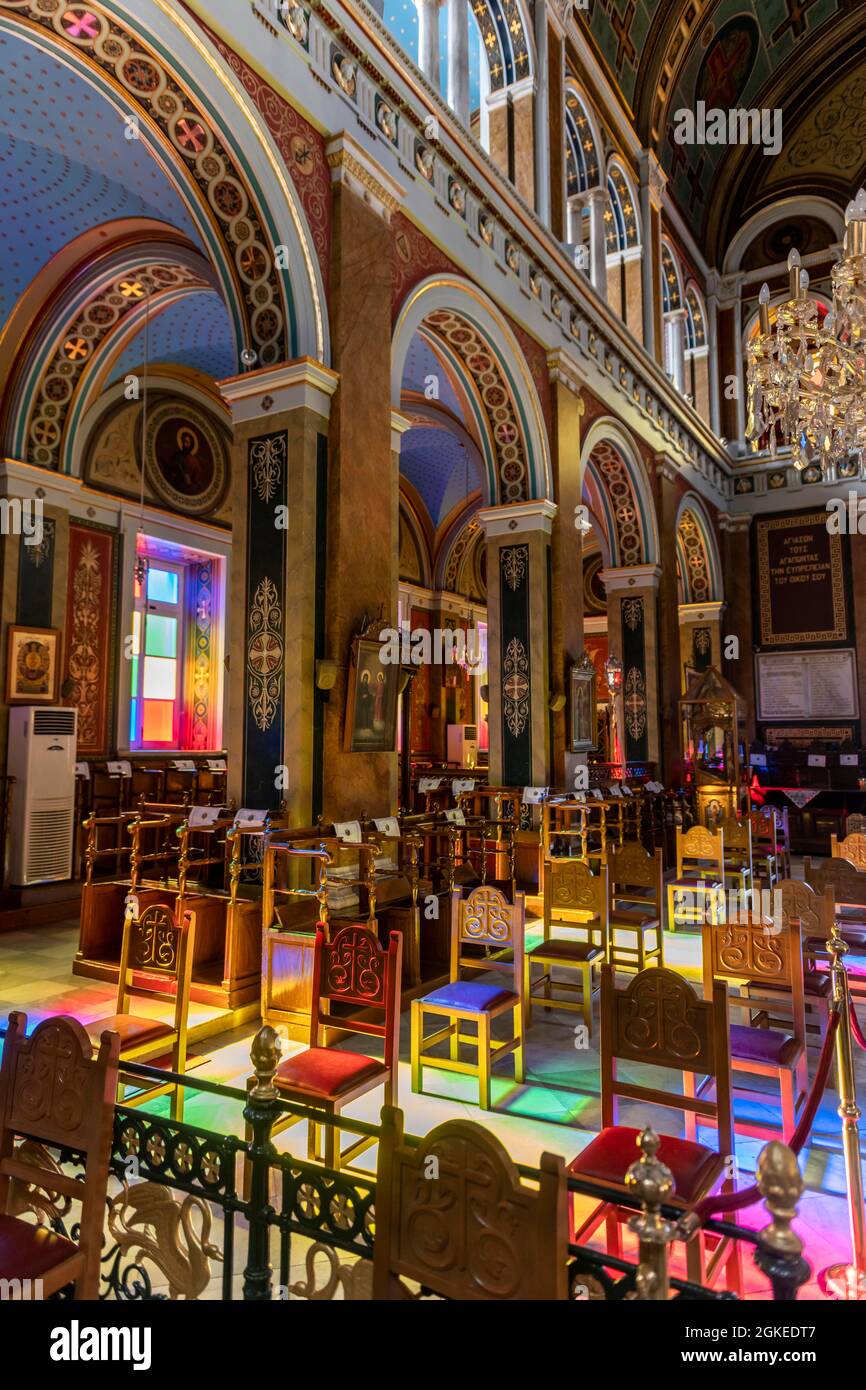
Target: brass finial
780,1184
265,1057
652,1182
837,945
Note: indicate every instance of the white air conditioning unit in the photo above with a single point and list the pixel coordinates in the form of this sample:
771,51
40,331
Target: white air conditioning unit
42,761
463,744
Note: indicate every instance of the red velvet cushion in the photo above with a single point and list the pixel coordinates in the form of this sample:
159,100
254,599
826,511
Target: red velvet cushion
133,1029
561,949
762,1045
27,1251
611,1154
326,1072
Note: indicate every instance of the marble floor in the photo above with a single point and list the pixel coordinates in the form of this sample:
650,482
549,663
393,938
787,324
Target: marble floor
557,1109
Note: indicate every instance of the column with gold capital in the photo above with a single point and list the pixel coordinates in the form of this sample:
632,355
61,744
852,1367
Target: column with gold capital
518,645
567,532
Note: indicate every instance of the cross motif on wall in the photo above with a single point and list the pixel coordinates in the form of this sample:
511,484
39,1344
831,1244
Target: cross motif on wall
621,28
695,180
796,20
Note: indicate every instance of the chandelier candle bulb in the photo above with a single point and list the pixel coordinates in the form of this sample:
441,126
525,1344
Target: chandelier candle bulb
794,273
764,308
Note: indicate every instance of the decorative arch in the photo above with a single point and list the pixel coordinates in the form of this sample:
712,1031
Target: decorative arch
697,552
618,494
506,38
782,210
461,562
415,564
582,143
228,172
471,335
672,280
696,318
621,218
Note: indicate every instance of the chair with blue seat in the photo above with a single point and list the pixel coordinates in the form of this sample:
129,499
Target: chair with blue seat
488,921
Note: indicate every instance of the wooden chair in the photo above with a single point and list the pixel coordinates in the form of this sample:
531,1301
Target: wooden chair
53,1091
847,884
739,866
579,899
852,848
699,886
752,951
155,963
855,824
486,919
660,1020
783,838
351,969
473,1229
636,906
765,847
813,915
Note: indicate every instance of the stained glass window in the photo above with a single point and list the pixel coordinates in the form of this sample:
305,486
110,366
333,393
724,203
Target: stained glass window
155,685
620,218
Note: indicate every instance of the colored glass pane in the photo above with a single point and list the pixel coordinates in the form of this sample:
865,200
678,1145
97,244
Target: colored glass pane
159,678
158,721
136,634
133,685
161,585
133,722
160,636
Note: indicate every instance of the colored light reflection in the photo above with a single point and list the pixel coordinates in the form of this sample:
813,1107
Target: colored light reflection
161,585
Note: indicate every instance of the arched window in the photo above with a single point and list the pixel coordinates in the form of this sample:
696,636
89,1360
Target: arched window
621,216
671,292
581,155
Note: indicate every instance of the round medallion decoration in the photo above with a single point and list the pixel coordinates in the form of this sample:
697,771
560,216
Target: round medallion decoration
185,460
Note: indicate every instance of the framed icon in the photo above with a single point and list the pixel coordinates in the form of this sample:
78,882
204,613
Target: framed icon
33,665
584,714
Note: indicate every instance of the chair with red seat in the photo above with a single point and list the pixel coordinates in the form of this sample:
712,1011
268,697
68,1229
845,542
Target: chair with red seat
155,963
353,969
54,1092
753,950
487,920
659,1020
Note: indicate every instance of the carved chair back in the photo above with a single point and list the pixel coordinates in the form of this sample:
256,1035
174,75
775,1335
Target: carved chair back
852,848
630,868
156,958
839,877
486,918
352,967
496,1238
571,887
660,1020
53,1091
760,950
701,852
855,824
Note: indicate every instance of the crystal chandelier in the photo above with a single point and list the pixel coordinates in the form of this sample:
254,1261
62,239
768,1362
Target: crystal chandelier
807,378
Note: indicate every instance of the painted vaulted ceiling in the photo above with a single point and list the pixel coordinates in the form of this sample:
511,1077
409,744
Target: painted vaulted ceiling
74,190
805,58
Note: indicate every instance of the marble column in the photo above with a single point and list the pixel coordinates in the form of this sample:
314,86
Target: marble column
566,590
458,59
556,130
652,182
428,40
715,417
675,347
670,673
279,468
597,200
542,128
523,102
363,475
499,146
632,631
700,636
518,605
738,667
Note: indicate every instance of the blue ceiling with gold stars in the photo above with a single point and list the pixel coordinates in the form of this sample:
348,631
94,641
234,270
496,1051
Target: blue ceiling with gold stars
196,332
65,166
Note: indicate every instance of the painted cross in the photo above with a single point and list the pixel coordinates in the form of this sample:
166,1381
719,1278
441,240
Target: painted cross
44,432
516,687
796,20
131,289
190,135
75,348
622,30
83,25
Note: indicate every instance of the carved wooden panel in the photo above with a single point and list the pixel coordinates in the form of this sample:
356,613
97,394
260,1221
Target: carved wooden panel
155,941
354,966
847,883
632,865
749,952
659,1018
698,843
852,848
802,907
572,884
52,1086
472,1230
486,915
